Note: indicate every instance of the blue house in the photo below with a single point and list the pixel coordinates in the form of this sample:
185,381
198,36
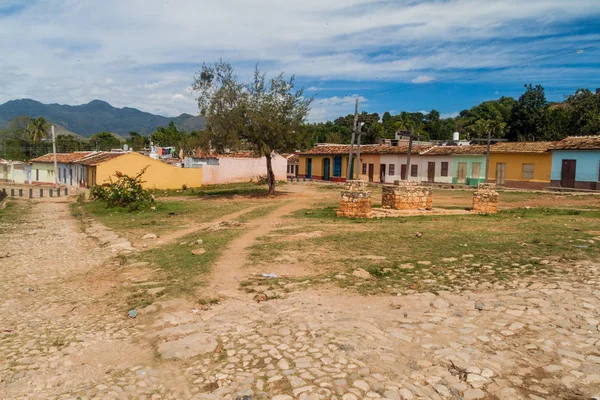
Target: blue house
576,163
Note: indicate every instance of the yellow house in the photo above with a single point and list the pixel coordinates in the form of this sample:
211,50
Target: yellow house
99,167
525,165
325,162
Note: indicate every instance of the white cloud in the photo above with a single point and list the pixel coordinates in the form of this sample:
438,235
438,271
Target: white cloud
423,79
332,107
144,54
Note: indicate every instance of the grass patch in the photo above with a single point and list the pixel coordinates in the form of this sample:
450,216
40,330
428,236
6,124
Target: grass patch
248,189
457,251
167,216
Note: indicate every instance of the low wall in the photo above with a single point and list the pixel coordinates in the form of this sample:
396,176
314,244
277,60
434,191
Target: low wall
245,169
407,195
485,199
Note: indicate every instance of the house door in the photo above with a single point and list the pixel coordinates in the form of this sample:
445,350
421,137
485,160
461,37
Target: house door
371,172
403,172
431,171
296,173
337,167
567,177
382,173
500,174
326,168
309,168
462,172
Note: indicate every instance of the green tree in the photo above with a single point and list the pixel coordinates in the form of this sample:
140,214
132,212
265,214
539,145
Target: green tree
169,136
584,106
104,141
268,117
38,129
137,141
529,119
69,143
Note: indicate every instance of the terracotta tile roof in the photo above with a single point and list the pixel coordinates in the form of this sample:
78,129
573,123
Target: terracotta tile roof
454,150
578,143
341,149
99,158
241,154
63,157
521,147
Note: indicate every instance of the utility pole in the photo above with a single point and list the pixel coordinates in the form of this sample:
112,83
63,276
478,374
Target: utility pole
410,139
358,150
354,126
487,151
56,177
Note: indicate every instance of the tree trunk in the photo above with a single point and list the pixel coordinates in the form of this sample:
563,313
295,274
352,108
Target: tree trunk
270,176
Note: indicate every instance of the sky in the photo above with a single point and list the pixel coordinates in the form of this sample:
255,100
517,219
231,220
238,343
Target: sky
402,55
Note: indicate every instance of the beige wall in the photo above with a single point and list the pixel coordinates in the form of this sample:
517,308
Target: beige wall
245,169
158,175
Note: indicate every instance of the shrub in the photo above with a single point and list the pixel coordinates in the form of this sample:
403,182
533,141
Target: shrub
125,192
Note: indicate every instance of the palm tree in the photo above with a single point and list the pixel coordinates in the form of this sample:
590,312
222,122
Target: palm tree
38,129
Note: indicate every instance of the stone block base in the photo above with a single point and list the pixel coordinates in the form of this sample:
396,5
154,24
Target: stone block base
355,201
407,196
485,199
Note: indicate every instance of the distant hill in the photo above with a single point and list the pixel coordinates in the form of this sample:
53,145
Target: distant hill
96,116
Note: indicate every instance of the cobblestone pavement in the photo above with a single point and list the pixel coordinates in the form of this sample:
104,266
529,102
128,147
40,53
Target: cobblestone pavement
61,335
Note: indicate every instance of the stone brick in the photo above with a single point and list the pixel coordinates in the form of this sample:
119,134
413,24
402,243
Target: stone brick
407,195
355,201
485,199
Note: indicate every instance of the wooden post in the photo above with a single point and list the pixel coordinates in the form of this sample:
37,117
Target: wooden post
487,155
348,177
31,193
41,192
410,140
56,177
358,152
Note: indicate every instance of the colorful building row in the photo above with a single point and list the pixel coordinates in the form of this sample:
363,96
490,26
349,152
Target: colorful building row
571,163
85,169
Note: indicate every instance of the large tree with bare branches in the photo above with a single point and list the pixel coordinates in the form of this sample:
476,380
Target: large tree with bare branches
267,115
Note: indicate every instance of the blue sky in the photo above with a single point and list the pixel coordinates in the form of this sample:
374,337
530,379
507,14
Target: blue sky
393,55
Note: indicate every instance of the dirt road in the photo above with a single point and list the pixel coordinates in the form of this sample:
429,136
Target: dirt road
64,333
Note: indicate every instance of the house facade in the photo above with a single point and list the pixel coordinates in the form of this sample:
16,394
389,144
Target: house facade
459,165
576,163
523,165
239,167
327,162
99,168
43,172
15,171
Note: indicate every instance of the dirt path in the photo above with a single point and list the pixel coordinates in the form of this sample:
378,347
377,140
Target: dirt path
230,269
176,235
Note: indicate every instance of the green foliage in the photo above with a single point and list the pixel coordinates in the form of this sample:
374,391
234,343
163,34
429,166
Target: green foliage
137,142
267,117
104,141
38,129
529,119
125,192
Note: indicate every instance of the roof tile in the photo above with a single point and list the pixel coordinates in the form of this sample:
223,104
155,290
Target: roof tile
578,143
63,157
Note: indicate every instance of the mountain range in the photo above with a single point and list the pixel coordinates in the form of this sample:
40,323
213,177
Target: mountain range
96,116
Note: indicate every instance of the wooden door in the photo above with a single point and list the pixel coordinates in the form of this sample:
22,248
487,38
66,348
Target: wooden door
403,172
500,174
462,172
371,172
326,168
431,171
382,173
309,168
476,170
567,177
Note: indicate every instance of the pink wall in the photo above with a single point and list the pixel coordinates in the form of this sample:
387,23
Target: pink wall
232,170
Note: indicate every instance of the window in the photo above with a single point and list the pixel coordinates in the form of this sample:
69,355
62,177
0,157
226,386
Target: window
444,168
414,170
364,169
475,170
37,174
392,169
527,171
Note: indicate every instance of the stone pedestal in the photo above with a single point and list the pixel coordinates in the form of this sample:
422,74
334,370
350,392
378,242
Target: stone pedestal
355,200
407,195
485,199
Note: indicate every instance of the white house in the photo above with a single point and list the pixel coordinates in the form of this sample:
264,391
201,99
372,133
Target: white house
237,167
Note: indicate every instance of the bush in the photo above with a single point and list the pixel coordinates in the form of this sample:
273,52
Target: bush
125,192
